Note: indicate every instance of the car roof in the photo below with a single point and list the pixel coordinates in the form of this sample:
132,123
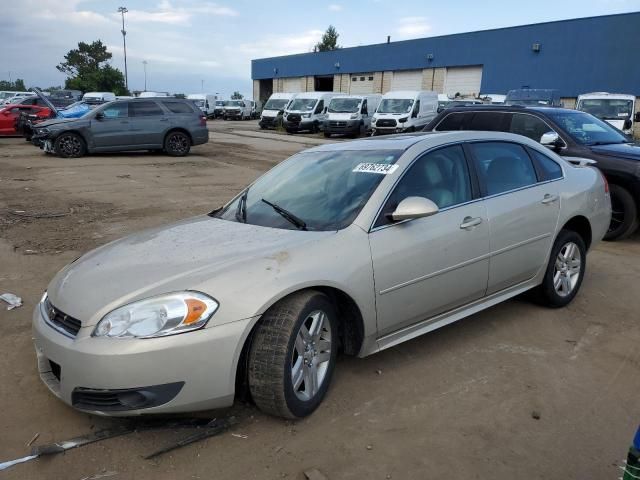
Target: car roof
405,141
509,108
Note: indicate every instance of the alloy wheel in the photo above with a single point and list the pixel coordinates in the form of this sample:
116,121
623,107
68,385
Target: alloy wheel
70,145
566,271
179,143
311,355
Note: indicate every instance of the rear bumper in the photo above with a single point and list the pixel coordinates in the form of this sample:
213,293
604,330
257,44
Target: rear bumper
200,136
187,372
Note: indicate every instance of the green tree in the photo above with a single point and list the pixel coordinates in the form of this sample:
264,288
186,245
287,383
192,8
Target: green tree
17,86
237,96
87,69
329,41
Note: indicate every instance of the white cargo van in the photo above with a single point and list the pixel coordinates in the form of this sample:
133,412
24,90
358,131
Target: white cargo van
350,115
205,102
307,112
404,111
274,108
98,97
153,94
237,110
616,109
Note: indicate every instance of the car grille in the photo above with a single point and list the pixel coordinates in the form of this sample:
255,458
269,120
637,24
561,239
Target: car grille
89,400
386,122
266,121
294,117
61,320
334,123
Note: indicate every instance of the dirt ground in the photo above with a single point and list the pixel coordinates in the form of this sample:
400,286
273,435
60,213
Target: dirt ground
457,403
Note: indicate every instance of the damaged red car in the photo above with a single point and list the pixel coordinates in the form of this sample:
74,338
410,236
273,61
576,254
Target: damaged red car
10,114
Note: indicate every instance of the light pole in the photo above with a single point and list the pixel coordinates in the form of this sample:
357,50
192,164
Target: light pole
124,10
202,86
144,62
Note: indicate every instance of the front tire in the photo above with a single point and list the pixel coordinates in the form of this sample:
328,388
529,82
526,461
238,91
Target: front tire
69,145
293,355
624,214
565,270
177,144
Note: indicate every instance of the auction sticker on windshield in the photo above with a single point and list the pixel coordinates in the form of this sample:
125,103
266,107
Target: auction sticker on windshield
380,168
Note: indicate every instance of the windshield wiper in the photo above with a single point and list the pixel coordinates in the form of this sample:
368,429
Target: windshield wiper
241,211
299,223
594,144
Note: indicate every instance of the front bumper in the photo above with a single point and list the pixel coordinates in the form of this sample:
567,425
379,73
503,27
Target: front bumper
387,130
269,122
233,114
304,124
204,362
342,127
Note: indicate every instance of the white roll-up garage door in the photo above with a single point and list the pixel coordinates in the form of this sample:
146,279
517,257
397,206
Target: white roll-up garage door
293,85
407,80
463,80
361,83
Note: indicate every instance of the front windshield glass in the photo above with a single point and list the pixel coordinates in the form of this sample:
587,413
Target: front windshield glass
587,129
344,105
233,103
303,104
395,105
607,108
199,103
326,190
276,104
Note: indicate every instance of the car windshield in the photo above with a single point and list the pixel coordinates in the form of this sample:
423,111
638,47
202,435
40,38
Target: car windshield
199,102
276,104
587,129
344,105
607,108
395,105
303,104
233,103
325,190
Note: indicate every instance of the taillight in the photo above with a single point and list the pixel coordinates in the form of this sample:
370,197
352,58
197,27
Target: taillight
203,120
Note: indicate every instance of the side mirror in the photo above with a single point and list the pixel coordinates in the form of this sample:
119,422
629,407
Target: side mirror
627,124
325,110
636,117
550,140
414,114
99,116
414,207
281,112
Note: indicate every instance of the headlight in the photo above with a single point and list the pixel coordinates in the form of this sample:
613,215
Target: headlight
374,119
354,116
306,115
159,316
43,130
403,120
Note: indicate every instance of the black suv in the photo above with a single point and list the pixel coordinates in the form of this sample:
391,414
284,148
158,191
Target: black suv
569,133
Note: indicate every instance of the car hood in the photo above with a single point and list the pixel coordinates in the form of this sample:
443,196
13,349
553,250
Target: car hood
166,259
630,151
56,121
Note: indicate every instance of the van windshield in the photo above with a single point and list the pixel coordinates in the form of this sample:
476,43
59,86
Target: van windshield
395,105
303,104
344,105
607,108
234,103
276,104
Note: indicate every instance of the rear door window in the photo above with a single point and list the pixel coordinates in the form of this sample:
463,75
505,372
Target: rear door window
145,109
178,107
117,110
503,166
547,168
528,125
487,122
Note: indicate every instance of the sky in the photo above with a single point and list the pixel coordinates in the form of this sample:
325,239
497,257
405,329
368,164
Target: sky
193,46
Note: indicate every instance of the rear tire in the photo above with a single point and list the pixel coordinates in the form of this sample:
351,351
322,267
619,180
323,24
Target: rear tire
624,214
293,355
70,145
565,270
177,144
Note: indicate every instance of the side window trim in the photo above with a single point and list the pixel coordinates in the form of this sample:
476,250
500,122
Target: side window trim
475,192
538,167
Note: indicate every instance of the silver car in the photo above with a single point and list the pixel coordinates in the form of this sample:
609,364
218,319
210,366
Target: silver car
353,246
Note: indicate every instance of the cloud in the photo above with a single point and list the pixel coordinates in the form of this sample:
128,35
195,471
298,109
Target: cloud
274,45
335,7
167,13
412,27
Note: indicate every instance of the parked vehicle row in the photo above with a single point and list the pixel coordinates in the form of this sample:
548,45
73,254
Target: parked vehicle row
350,115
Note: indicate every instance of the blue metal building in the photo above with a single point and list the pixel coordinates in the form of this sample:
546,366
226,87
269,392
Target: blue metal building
573,56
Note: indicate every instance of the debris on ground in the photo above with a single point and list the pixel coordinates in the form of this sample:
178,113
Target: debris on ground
314,474
22,213
11,463
33,439
14,301
369,447
379,372
238,435
54,448
100,475
535,415
213,428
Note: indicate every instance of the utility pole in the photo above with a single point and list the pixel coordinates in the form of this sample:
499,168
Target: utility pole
124,10
201,86
144,62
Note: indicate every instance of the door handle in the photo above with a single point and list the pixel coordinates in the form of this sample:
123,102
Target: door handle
469,222
164,119
548,199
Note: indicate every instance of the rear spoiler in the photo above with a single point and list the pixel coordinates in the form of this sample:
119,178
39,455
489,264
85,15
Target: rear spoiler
581,162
